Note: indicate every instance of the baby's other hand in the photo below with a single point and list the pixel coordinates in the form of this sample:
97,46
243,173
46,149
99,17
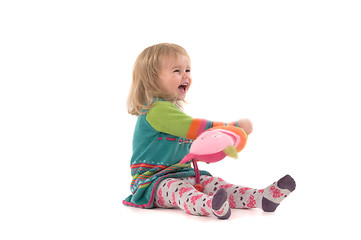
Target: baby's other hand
246,125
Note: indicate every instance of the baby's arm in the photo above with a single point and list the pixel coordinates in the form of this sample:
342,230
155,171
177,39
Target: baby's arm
166,117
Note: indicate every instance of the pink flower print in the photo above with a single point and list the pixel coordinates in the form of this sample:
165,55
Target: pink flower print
174,203
184,190
276,193
260,190
251,202
160,198
220,212
195,198
243,190
226,186
170,183
186,208
231,201
205,183
205,213
209,203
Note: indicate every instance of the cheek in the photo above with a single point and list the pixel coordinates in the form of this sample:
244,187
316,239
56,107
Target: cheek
168,86
164,82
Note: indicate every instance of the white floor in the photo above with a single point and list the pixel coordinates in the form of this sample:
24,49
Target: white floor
298,217
94,211
292,67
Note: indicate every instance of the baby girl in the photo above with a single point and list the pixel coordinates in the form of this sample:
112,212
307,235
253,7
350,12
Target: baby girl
163,136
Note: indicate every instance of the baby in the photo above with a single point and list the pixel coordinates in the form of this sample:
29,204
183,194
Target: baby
163,136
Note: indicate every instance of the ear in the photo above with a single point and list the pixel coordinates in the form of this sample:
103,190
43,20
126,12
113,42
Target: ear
236,138
235,131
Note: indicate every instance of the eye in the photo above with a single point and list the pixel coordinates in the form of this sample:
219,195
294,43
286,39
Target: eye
177,70
188,70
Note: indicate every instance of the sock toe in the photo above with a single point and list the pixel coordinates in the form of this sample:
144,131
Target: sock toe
287,182
220,204
219,198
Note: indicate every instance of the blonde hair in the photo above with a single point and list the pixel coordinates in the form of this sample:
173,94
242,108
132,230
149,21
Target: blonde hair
145,86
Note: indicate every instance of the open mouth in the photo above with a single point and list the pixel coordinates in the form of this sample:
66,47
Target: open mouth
183,87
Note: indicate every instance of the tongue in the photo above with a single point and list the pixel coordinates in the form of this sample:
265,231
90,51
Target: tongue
182,88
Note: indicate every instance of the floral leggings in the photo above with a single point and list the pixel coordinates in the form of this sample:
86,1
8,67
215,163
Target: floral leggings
180,193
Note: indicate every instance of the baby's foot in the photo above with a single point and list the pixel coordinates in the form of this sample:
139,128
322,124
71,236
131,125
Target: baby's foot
275,193
220,205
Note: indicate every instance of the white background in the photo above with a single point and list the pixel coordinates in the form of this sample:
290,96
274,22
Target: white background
292,67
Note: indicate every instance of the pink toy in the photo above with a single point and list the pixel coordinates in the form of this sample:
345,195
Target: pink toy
215,144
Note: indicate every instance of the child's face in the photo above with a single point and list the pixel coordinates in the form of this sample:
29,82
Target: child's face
175,76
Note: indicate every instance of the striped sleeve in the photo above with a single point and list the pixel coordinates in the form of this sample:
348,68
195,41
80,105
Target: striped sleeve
166,117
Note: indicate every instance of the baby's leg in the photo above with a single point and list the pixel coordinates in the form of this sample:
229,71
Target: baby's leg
267,199
175,192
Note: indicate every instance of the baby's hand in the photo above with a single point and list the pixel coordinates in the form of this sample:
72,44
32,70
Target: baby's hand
246,125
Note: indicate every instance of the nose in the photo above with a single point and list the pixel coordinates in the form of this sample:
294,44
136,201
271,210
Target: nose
186,74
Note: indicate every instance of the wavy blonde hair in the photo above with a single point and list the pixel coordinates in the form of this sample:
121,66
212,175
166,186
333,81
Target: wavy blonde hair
145,85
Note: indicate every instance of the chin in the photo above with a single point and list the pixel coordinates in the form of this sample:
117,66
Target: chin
181,98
